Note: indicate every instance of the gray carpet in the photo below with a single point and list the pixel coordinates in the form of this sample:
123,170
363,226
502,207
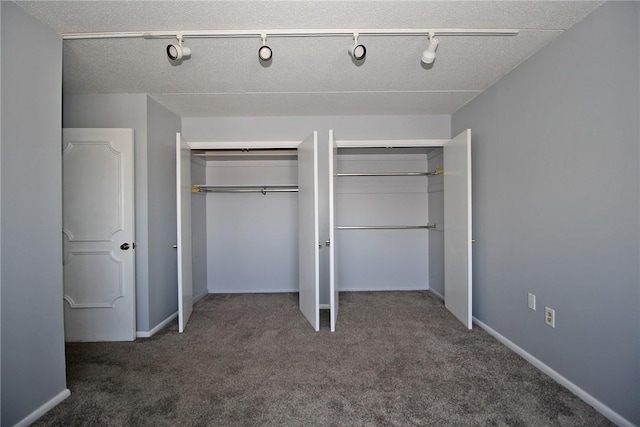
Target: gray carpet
397,359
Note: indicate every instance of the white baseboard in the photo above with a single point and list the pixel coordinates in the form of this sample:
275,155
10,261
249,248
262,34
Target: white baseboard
33,417
199,297
399,289
253,291
158,327
437,295
582,394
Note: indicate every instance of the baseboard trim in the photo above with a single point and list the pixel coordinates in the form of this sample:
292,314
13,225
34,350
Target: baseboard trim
157,328
253,291
400,289
437,295
199,297
35,415
581,393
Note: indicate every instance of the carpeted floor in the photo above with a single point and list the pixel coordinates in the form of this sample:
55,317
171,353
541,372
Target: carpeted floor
397,359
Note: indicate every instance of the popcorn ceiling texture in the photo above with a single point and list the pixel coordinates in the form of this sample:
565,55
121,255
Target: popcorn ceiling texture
307,76
397,358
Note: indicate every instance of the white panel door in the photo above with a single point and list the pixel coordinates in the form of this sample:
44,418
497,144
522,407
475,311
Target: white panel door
185,266
333,270
457,226
98,235
308,230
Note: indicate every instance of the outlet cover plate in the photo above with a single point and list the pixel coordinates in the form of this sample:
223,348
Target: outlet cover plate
550,317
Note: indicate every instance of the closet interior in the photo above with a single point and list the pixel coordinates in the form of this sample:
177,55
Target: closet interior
386,211
249,215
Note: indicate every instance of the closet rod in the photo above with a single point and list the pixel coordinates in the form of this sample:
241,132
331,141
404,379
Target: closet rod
264,189
438,171
388,227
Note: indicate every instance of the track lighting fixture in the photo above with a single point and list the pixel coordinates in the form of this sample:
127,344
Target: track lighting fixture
357,51
178,52
264,53
429,55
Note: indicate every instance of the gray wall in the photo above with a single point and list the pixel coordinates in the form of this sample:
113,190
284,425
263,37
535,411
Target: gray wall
33,365
122,111
162,126
211,129
297,128
556,205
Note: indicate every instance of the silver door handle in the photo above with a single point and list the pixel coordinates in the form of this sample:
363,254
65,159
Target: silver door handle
175,246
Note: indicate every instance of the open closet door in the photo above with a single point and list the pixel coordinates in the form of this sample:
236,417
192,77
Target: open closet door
183,181
333,271
457,226
308,230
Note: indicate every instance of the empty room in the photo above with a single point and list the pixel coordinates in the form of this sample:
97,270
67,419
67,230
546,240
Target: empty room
320,213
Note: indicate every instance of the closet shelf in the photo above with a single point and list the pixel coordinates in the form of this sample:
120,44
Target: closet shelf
264,189
388,227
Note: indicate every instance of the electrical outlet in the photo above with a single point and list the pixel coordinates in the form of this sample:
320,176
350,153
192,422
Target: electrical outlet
550,317
532,302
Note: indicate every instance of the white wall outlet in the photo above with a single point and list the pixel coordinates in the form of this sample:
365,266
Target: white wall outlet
532,302
550,317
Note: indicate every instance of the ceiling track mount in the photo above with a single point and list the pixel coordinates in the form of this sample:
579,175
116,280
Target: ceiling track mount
387,32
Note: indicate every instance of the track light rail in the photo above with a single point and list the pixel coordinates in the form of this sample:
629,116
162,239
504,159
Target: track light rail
292,33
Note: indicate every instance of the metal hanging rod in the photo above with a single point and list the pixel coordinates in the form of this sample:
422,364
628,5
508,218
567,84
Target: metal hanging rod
293,33
388,227
390,174
438,171
244,152
264,189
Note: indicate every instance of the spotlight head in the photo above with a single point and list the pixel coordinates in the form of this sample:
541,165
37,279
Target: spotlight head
176,52
358,51
265,53
429,55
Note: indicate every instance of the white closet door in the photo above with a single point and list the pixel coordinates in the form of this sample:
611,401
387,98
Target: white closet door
457,226
333,270
185,275
308,230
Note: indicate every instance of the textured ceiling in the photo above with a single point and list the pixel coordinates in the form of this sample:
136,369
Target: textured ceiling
308,76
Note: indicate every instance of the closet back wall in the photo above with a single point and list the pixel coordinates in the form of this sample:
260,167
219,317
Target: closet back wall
212,129
252,238
382,260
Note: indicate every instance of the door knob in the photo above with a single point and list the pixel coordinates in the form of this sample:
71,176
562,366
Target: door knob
175,246
124,246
